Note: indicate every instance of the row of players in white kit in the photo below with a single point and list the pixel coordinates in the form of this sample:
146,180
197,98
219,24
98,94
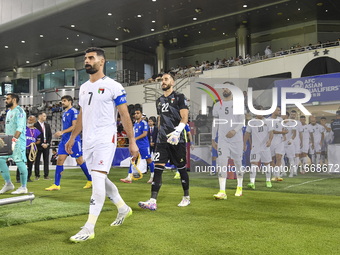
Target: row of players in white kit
270,140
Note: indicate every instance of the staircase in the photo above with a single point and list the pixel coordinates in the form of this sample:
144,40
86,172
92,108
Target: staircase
154,90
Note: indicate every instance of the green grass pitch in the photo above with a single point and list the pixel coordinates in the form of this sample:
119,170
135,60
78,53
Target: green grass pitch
296,216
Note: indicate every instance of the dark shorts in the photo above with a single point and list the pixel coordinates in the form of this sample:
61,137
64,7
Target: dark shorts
175,153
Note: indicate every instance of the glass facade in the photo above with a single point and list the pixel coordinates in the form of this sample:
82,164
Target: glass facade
56,79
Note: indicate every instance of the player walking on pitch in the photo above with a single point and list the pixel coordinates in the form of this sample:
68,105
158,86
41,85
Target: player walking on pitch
69,121
262,135
173,116
230,141
15,126
99,99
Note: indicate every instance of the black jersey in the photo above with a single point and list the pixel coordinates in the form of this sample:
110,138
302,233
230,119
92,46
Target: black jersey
168,109
336,129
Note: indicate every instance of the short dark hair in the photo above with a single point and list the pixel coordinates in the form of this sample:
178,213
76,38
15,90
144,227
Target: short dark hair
259,107
68,98
153,118
139,109
171,74
99,51
302,117
323,118
229,82
14,96
293,111
41,113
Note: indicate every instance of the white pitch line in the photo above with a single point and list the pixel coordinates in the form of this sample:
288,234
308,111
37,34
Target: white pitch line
305,183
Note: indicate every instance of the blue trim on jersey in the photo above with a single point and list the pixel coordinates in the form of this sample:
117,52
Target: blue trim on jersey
120,100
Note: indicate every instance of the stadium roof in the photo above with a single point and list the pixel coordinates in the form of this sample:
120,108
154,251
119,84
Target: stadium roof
57,32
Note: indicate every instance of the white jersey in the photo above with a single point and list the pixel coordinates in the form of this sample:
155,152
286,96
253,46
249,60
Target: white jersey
317,131
328,135
290,126
298,130
260,133
225,113
276,125
306,130
99,102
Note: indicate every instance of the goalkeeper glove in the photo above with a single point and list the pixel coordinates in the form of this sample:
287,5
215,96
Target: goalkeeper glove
14,141
173,137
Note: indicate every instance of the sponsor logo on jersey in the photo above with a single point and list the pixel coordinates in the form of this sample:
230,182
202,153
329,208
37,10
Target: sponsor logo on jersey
101,91
21,115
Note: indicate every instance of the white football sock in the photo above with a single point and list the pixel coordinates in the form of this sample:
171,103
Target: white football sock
253,171
268,171
222,182
97,198
113,194
323,158
239,172
317,159
297,163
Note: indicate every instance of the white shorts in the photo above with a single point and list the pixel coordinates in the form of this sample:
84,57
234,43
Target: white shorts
290,150
297,143
305,147
264,156
100,157
317,148
229,150
277,149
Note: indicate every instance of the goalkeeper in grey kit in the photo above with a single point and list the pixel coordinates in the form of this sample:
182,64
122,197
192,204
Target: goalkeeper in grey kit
172,110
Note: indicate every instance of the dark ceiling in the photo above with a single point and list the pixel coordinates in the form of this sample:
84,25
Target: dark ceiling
93,26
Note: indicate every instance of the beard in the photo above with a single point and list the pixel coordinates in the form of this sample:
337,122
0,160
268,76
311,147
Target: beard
30,124
91,70
166,88
225,94
9,105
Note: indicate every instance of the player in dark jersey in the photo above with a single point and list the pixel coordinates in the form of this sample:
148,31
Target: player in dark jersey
173,116
70,116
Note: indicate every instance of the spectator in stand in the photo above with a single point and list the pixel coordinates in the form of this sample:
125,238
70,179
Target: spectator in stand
337,42
54,157
43,106
327,44
319,45
268,52
177,69
121,140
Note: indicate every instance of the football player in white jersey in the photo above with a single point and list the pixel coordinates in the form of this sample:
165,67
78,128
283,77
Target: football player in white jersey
298,141
317,140
277,145
262,135
306,130
290,126
230,141
99,99
327,140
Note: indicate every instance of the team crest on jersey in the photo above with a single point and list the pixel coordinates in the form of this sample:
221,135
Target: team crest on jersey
101,91
172,100
67,114
101,162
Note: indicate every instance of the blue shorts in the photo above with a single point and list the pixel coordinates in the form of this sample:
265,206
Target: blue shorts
214,152
144,152
76,149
